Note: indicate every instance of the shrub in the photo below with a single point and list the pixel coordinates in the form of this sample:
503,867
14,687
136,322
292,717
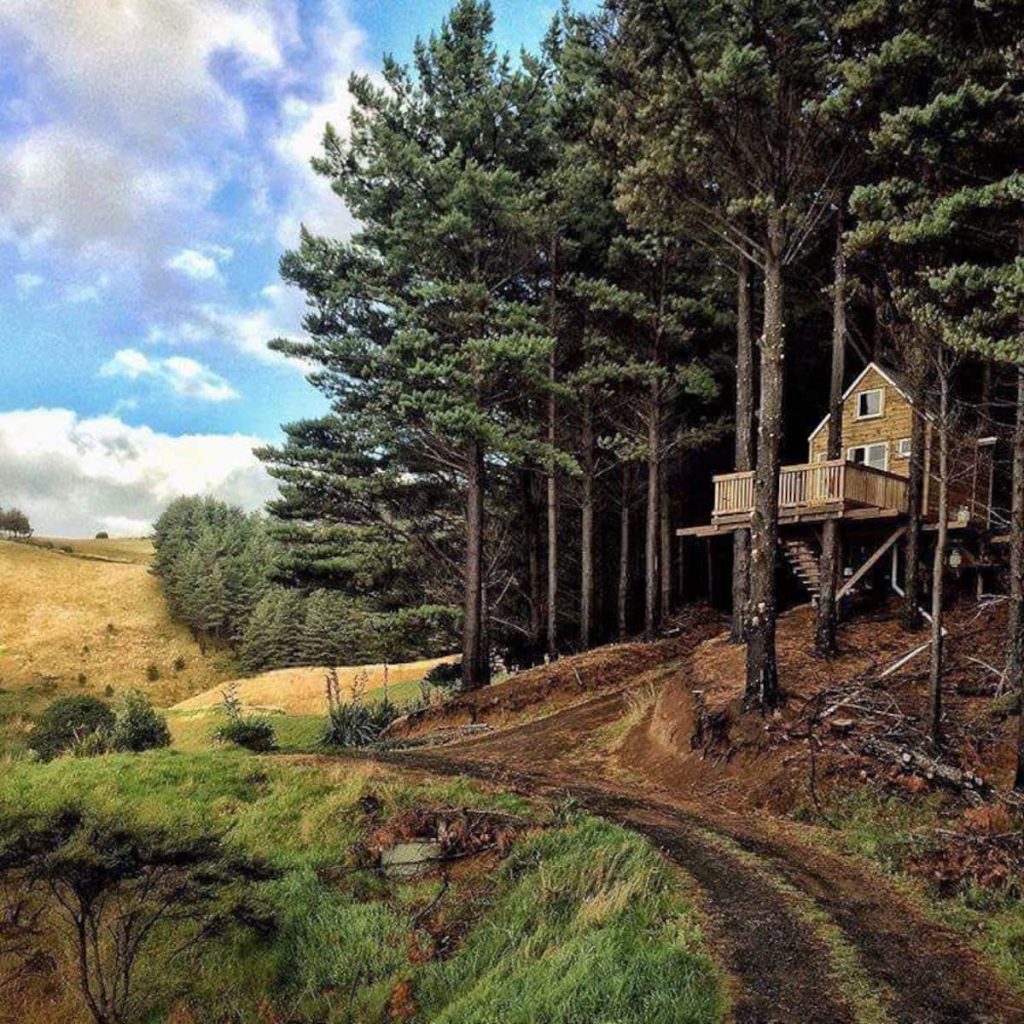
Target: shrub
66,720
354,724
255,734
150,893
152,672
138,726
108,690
179,664
103,535
89,744
447,675
83,679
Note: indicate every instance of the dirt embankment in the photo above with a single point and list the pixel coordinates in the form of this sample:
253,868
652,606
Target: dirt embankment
613,669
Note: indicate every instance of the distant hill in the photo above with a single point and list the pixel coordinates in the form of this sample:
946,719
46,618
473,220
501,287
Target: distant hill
82,615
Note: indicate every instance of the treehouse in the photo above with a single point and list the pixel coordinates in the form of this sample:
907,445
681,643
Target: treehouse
867,488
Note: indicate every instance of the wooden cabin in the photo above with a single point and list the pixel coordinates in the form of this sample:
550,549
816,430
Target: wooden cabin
867,487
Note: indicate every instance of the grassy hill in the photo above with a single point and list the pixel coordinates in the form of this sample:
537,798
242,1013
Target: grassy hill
86,616
73,622
90,621
300,691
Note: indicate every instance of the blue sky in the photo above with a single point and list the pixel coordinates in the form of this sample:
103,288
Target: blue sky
153,166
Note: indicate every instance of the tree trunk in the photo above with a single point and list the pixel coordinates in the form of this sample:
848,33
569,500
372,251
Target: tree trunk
1015,622
762,690
911,614
665,543
623,589
939,565
475,659
825,633
587,525
651,525
531,518
744,452
552,513
552,630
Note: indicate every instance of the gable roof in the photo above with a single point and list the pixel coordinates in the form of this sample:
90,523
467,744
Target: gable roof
891,376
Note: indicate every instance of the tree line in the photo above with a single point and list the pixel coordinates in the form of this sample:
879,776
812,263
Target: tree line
226,576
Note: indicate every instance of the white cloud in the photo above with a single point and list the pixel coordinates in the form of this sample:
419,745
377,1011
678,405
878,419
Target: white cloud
65,189
246,329
182,375
142,69
201,264
26,283
79,293
75,475
311,200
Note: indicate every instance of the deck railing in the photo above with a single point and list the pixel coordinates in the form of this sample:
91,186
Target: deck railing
814,485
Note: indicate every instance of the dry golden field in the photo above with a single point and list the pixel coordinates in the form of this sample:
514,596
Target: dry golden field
85,621
301,691
117,549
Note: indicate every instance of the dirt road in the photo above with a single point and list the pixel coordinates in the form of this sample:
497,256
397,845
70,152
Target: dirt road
762,886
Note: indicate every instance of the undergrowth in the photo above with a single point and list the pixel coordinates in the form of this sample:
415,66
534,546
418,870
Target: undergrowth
582,922
897,832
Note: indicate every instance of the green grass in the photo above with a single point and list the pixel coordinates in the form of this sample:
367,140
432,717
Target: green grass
581,923
192,731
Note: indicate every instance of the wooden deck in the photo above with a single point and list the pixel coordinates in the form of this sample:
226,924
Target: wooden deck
812,492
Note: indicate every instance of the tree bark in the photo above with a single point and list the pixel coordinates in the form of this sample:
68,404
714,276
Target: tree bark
939,565
665,543
762,689
624,525
1015,621
475,656
828,614
911,614
587,524
744,451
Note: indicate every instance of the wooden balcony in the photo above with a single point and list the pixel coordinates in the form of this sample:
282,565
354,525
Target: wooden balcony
818,490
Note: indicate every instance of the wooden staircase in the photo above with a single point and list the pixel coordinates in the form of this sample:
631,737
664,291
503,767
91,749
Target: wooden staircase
806,566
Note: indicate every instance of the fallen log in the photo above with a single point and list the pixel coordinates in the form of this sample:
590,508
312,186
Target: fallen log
971,786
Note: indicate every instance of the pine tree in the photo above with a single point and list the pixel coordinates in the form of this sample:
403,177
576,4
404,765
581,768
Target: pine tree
421,327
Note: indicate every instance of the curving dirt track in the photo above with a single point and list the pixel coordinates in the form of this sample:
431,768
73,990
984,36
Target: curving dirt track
922,972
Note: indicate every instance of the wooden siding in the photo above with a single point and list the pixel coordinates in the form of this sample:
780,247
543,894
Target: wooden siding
889,428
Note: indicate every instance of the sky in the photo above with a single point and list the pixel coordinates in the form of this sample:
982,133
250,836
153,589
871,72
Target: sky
154,165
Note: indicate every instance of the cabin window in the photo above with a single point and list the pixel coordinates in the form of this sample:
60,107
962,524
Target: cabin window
903,447
870,404
874,455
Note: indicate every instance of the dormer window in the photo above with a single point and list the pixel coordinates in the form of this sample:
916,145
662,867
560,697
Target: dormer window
870,404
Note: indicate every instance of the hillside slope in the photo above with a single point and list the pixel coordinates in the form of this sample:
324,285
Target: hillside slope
70,622
301,691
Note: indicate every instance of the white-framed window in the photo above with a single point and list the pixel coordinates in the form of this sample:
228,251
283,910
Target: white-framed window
870,404
903,447
874,455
